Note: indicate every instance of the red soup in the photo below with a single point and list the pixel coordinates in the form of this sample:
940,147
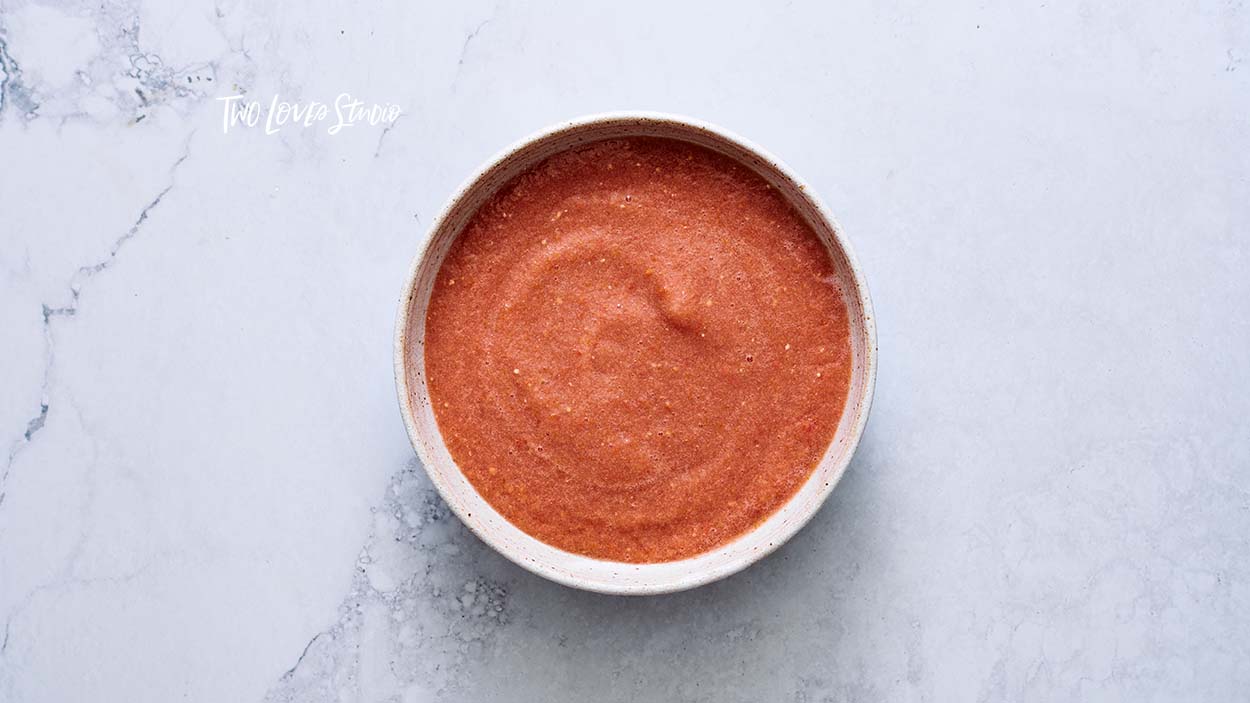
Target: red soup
635,350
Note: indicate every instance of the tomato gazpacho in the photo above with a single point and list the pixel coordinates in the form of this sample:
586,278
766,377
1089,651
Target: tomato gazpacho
636,350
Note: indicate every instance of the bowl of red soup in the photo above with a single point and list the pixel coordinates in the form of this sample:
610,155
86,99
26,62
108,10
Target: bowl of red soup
635,353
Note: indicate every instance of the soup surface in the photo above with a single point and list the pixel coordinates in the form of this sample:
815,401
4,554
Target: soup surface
635,350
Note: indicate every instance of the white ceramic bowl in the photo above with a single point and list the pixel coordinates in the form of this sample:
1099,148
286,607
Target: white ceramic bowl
574,569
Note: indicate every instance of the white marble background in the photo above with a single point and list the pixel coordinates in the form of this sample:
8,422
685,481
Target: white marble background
207,493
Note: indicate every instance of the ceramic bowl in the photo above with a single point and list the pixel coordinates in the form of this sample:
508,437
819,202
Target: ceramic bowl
574,569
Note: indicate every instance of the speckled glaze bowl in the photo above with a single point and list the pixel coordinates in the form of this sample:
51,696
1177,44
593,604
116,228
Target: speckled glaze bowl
574,569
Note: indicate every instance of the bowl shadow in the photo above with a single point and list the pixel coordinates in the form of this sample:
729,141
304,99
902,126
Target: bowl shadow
776,627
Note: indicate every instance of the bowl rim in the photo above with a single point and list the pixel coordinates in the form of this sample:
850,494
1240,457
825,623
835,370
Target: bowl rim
707,575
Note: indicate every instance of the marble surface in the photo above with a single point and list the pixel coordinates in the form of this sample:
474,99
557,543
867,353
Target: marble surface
207,493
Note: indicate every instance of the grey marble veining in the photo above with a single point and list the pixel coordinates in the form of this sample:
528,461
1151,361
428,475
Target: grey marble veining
207,493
